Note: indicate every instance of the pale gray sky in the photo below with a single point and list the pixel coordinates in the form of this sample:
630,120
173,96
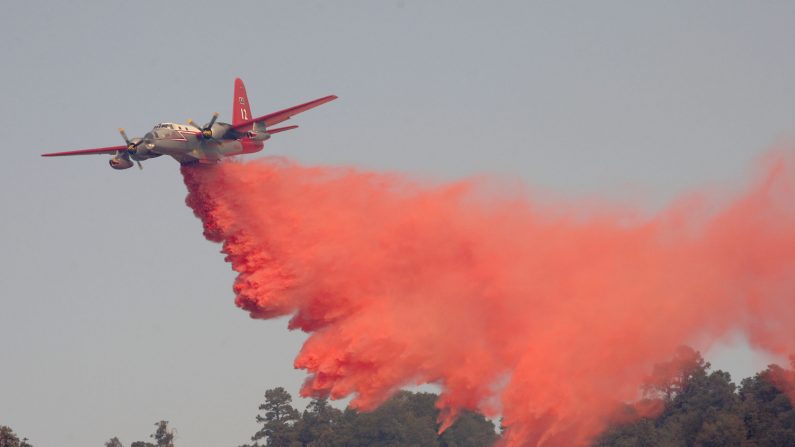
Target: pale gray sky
114,310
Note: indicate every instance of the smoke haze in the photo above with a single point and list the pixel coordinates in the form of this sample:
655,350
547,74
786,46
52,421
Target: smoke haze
549,314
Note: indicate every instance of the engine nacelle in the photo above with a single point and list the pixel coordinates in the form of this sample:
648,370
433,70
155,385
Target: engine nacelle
258,136
120,163
143,153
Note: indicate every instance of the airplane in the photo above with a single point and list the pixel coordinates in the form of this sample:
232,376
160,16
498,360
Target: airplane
189,143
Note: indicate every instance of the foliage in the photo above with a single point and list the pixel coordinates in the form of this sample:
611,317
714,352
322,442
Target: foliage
767,413
470,430
408,419
9,439
162,435
697,407
278,424
318,424
705,409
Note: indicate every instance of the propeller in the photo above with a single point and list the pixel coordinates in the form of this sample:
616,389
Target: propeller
131,146
207,130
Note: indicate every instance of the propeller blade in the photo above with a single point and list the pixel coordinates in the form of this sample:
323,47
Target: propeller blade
130,144
124,135
206,131
212,121
139,164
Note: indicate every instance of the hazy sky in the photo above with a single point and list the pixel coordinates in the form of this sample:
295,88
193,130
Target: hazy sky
114,310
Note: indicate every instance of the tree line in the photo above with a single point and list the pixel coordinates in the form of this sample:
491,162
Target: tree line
704,408
699,407
406,419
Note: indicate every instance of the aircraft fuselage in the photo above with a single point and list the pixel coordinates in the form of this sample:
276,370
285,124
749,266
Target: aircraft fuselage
187,144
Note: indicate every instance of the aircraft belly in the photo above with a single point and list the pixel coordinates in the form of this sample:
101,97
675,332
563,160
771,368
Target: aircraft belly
230,148
179,150
190,150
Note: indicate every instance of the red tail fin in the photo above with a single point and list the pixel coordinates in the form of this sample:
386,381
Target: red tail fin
241,110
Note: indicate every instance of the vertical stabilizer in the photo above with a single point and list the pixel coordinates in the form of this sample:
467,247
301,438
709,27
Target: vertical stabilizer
241,110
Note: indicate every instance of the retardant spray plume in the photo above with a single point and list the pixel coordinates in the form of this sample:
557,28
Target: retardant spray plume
545,314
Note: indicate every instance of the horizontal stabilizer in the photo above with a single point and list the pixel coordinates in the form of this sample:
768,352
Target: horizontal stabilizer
282,115
281,129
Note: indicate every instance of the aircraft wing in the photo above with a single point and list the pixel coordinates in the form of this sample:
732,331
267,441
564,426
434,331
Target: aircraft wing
282,115
101,150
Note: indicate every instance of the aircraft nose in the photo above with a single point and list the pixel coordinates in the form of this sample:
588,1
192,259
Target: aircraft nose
149,141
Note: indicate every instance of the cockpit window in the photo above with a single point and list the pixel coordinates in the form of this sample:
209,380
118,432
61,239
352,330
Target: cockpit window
171,126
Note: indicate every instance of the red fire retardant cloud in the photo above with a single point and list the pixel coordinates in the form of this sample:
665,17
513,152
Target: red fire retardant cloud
548,314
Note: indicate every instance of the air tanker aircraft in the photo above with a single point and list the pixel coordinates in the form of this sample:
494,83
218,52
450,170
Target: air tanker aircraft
189,143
